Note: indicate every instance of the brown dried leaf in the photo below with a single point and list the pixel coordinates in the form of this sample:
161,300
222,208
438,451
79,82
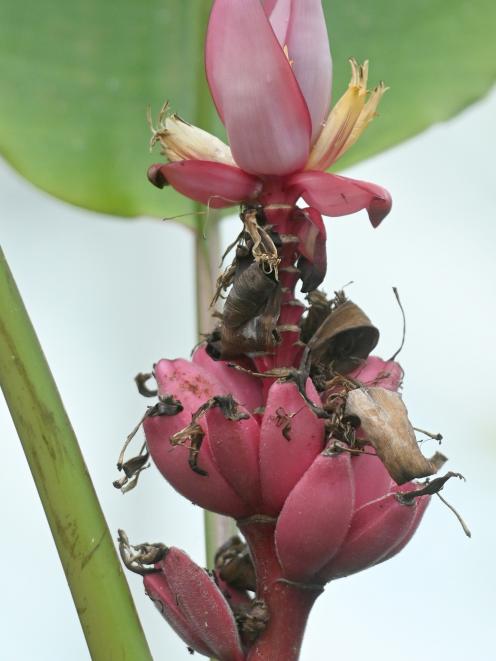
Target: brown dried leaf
344,339
384,420
248,297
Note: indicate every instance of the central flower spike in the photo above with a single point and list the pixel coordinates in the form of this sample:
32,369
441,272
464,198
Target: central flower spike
270,73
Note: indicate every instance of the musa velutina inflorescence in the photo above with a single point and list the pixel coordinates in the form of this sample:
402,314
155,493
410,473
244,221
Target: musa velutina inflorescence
282,419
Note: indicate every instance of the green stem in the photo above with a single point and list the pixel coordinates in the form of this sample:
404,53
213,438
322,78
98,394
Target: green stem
217,528
99,589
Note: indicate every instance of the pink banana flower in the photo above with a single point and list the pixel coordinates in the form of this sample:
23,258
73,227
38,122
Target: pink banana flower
282,419
269,70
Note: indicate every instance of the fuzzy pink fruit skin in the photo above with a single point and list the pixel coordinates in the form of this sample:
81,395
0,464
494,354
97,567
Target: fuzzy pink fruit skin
203,604
376,529
370,477
283,461
212,492
246,389
316,517
234,445
157,588
192,386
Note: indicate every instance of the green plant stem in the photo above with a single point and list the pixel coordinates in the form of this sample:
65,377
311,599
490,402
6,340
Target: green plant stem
207,257
91,565
217,528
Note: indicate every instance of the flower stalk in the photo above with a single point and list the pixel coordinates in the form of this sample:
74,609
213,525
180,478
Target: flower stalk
281,640
98,586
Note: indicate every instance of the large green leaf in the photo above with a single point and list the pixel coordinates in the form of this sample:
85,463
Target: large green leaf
76,78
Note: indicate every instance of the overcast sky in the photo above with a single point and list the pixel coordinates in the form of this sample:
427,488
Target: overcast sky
110,297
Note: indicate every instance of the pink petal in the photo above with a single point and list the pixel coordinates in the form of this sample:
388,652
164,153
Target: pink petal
310,55
377,372
255,91
376,528
371,478
290,438
203,604
157,588
316,517
210,491
215,184
334,195
246,389
234,445
279,12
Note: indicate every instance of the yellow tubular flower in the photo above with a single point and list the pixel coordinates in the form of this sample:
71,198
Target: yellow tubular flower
366,116
341,120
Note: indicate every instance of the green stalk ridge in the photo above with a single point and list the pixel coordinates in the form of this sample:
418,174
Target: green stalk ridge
100,592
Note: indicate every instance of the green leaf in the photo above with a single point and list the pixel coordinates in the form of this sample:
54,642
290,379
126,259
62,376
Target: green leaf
76,78
437,56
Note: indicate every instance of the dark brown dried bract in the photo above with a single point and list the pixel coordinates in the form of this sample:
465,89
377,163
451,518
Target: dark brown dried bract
251,313
234,565
252,620
155,176
165,406
313,273
141,380
229,408
252,289
344,339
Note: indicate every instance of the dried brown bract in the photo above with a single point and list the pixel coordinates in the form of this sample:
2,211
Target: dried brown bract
234,565
344,338
384,421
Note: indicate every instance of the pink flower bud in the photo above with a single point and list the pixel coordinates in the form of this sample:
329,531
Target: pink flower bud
316,517
290,438
201,610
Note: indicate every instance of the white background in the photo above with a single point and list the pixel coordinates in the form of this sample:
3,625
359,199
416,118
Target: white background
109,297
